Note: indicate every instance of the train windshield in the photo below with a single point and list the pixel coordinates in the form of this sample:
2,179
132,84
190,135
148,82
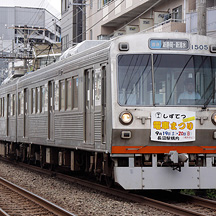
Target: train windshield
166,79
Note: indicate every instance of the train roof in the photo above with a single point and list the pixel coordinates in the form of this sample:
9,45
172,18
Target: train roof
87,44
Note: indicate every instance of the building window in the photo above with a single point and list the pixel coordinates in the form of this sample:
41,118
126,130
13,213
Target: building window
64,5
177,13
65,42
102,3
99,4
210,3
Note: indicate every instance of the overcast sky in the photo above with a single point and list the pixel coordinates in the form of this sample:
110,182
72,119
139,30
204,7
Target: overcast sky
54,6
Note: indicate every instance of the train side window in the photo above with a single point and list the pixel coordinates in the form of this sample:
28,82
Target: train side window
38,98
22,103
75,85
56,95
19,103
62,94
12,104
0,107
33,100
8,108
3,107
68,94
42,90
98,87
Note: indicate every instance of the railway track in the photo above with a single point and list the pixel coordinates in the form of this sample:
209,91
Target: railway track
15,200
142,200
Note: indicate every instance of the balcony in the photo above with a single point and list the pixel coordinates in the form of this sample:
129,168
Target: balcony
171,25
191,22
124,12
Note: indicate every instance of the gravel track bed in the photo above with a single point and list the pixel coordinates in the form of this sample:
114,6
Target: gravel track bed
72,197
197,208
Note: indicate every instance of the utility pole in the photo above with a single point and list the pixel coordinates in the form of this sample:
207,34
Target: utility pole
25,48
13,56
201,17
24,31
84,21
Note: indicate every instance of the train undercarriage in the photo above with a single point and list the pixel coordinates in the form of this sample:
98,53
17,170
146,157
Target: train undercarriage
65,160
135,171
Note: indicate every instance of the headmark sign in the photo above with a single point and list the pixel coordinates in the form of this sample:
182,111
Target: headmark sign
173,126
168,44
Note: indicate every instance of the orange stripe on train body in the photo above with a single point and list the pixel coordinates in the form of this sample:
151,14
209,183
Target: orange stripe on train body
163,149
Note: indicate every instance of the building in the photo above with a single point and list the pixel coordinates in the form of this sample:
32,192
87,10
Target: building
72,22
46,54
191,17
108,18
21,28
37,23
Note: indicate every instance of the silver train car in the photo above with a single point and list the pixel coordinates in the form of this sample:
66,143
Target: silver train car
139,110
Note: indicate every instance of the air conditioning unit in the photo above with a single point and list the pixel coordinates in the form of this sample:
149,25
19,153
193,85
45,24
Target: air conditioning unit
119,33
131,29
145,23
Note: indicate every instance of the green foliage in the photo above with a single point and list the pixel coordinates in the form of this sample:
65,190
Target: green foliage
188,192
211,194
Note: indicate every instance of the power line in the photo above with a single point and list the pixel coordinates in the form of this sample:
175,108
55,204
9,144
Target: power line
96,22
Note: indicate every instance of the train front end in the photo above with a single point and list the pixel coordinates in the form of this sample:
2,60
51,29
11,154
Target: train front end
164,111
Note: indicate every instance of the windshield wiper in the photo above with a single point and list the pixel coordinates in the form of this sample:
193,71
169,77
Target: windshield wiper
208,100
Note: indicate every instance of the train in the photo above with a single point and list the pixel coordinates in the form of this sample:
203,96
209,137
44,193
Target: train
138,110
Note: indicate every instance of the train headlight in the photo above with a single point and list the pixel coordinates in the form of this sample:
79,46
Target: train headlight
126,117
213,118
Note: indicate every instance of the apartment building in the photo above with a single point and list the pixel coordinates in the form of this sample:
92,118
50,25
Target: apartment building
72,22
108,18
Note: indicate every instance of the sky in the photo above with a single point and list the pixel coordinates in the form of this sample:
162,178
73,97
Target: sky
54,6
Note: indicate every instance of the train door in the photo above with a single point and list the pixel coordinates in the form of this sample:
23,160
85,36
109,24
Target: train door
50,110
89,106
8,114
100,105
103,102
25,112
